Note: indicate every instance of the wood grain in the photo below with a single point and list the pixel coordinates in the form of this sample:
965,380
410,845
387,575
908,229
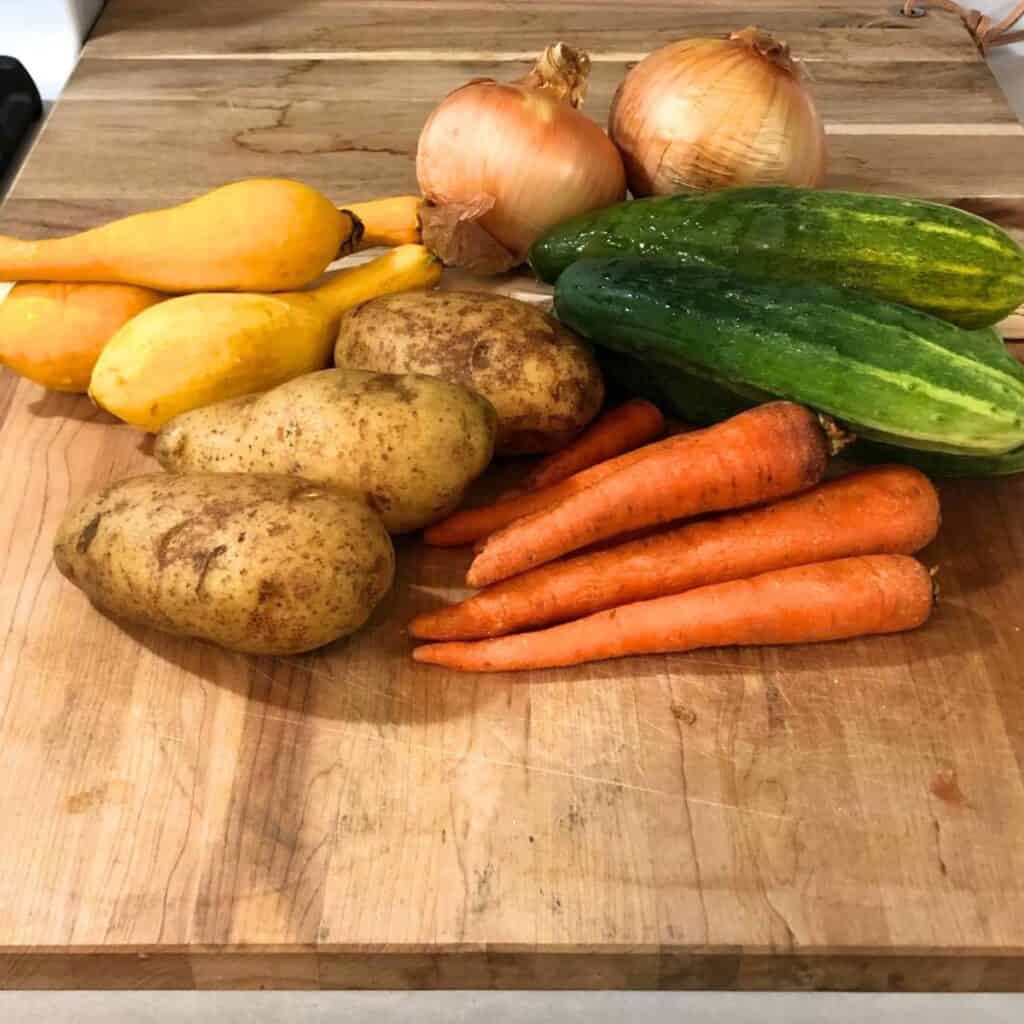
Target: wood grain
447,29
352,129
873,93
848,816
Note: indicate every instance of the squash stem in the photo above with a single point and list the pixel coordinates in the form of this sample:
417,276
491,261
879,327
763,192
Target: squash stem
355,236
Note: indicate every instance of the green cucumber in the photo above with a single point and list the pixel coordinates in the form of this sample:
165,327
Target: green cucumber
891,373
693,399
941,464
931,257
703,402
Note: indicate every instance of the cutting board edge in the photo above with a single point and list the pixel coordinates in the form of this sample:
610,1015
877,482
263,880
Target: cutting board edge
664,969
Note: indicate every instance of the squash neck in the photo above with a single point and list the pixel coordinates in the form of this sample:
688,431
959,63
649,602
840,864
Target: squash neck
22,260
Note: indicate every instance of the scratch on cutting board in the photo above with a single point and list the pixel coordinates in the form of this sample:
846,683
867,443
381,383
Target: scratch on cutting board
155,725
596,780
671,741
520,766
593,779
301,722
732,666
830,698
781,690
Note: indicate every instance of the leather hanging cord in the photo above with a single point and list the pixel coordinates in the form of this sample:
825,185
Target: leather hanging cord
986,33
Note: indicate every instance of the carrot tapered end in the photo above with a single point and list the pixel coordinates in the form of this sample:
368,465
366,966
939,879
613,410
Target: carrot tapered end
435,654
429,626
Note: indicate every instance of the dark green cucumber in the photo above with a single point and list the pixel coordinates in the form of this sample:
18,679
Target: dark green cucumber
703,402
893,374
931,257
693,399
940,464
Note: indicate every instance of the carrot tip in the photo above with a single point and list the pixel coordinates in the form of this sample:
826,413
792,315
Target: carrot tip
423,627
427,654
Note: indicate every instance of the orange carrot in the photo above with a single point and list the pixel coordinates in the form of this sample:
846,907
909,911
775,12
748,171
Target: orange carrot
622,429
472,524
761,454
802,604
885,509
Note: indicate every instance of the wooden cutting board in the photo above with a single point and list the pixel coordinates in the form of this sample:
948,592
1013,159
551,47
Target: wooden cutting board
841,816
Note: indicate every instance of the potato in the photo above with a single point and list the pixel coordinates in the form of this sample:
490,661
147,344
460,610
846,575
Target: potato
410,444
540,377
257,563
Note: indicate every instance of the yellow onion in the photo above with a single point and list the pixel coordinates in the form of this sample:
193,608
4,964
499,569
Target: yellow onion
516,158
709,113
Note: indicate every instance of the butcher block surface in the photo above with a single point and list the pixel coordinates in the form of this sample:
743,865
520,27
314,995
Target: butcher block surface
175,816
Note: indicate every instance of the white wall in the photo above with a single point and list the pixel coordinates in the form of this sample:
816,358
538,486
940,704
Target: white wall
46,35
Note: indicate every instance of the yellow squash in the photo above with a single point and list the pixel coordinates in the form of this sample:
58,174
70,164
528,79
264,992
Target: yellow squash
194,350
53,333
260,235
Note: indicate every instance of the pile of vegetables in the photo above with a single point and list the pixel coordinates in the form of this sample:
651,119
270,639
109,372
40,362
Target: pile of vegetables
302,421
745,307
217,276
296,437
270,533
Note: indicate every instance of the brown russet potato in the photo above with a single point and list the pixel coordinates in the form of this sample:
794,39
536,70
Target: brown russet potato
410,444
254,562
540,377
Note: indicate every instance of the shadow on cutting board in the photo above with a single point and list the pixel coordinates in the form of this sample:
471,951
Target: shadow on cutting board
351,682
61,405
347,681
370,677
